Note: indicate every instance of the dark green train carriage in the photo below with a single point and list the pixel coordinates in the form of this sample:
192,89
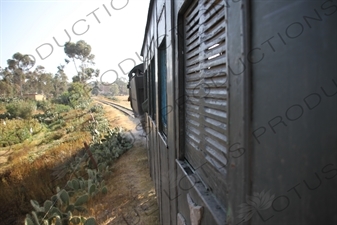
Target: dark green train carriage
242,110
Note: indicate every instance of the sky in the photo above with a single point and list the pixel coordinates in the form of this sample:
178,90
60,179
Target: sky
114,29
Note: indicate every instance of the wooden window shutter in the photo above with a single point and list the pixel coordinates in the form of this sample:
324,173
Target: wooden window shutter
206,89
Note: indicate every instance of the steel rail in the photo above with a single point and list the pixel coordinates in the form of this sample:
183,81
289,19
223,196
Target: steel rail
123,109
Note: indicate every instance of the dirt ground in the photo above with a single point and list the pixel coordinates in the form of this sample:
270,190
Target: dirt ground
131,196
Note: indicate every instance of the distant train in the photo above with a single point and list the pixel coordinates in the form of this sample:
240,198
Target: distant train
136,89
239,100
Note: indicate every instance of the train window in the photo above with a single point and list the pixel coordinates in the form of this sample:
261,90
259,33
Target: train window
206,91
162,73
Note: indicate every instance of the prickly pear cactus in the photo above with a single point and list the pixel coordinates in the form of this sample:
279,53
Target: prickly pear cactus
29,221
76,184
47,205
92,190
90,221
80,208
108,145
36,206
70,208
64,197
81,200
104,190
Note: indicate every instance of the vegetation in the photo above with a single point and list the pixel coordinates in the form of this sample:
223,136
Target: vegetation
82,187
119,87
81,51
53,141
17,131
22,109
55,155
17,80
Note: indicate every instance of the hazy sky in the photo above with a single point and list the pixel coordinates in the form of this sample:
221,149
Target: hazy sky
113,28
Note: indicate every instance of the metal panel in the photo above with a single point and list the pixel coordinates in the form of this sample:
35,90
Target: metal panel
152,153
237,181
294,120
171,103
164,179
157,163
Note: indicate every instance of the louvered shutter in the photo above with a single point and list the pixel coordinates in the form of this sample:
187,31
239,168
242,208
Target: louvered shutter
206,86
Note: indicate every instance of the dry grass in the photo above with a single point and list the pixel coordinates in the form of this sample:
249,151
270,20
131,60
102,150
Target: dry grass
27,175
25,170
27,180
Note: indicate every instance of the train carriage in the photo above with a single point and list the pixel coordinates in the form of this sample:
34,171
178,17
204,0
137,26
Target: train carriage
241,120
136,89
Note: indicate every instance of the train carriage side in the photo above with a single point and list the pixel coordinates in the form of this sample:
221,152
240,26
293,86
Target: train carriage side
242,114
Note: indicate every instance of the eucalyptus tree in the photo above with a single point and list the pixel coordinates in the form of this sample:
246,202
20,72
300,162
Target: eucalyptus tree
32,80
38,81
122,82
81,51
18,66
6,87
60,82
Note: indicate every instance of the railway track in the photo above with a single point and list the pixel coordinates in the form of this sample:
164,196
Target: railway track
123,109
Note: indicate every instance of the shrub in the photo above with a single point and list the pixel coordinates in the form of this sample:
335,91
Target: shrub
16,131
2,106
43,105
77,96
97,108
21,109
60,108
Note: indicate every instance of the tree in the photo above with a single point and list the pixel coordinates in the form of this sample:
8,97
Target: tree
60,82
32,80
122,86
114,89
17,78
45,85
39,81
81,51
18,67
6,88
